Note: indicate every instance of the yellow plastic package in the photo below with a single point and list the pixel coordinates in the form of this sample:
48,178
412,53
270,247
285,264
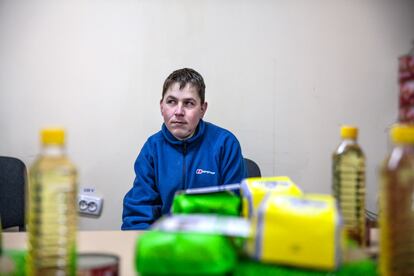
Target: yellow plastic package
304,231
253,191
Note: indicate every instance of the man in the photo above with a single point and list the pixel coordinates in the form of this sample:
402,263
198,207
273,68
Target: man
186,153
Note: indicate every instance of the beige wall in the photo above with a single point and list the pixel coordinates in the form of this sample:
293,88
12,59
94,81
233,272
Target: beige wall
282,75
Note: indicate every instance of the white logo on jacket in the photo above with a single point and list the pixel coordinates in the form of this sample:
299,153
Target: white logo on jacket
201,171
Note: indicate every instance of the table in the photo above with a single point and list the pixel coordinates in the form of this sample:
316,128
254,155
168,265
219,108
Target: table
120,243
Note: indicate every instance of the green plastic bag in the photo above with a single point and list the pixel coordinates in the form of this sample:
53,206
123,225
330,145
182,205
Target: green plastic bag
183,253
246,267
210,200
15,259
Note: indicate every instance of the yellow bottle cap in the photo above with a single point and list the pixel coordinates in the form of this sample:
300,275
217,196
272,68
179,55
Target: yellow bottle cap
349,132
401,133
53,136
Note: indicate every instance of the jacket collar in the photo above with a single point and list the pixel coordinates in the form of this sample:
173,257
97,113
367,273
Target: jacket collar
171,139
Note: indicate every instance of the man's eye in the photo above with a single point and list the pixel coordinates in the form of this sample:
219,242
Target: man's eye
170,101
189,104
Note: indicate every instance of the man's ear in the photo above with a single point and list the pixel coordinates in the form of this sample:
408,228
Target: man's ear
204,109
161,106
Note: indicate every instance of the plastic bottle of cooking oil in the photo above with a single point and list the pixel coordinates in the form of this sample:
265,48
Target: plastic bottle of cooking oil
348,185
396,214
52,218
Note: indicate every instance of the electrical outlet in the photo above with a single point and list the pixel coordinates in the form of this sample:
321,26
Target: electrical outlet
90,205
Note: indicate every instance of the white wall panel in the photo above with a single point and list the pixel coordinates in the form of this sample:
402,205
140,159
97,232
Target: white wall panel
282,75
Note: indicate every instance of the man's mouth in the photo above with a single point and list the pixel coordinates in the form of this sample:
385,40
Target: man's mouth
178,122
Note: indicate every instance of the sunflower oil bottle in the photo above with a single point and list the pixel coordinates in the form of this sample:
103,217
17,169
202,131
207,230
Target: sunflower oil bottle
52,217
348,187
396,214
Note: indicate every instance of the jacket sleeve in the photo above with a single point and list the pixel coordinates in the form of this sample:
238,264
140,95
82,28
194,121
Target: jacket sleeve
142,204
232,165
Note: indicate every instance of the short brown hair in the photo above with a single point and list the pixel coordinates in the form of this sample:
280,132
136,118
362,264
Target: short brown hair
183,77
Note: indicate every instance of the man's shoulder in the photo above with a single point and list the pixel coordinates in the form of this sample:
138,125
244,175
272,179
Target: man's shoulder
215,131
154,142
155,138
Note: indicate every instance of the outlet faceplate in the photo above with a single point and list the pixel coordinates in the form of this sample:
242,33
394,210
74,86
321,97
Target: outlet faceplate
90,205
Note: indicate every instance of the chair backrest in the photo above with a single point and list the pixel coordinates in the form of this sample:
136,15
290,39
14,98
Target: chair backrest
253,169
13,179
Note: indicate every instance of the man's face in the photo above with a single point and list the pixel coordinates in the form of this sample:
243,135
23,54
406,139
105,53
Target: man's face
182,110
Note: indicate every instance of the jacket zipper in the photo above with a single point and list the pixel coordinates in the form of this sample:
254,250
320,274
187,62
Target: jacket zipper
184,166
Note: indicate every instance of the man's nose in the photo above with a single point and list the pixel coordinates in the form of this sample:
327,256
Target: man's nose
179,110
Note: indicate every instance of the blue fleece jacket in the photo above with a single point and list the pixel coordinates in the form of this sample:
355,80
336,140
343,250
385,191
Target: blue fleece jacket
211,157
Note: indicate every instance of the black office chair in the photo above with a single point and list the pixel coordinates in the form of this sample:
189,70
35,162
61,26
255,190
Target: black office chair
13,178
253,169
